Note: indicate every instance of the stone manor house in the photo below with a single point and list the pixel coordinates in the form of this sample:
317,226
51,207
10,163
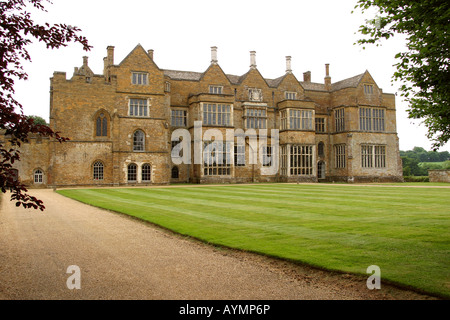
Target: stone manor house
120,125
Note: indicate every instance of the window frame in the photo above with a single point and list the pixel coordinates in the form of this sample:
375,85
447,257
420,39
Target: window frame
373,156
39,174
340,161
299,121
138,110
138,146
266,155
98,169
319,124
101,125
290,95
212,165
372,119
215,89
239,155
301,160
132,172
284,160
339,118
255,118
139,78
368,89
146,172
211,114
179,119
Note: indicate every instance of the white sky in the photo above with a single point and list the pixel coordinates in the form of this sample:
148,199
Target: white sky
182,32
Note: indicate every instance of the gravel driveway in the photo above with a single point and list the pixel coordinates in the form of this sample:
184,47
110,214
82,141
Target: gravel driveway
122,258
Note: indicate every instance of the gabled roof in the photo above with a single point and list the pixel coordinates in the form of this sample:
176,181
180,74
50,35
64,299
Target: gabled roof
138,47
236,79
273,83
352,82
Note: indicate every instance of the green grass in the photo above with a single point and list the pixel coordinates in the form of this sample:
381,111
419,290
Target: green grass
404,231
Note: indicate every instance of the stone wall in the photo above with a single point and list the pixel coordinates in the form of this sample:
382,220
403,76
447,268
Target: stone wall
439,175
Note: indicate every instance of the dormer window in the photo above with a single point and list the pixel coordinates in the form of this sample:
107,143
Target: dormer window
139,78
255,94
215,89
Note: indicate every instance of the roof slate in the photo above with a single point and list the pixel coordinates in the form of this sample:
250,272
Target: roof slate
234,79
347,83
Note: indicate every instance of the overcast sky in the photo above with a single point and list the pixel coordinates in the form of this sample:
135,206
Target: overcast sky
182,32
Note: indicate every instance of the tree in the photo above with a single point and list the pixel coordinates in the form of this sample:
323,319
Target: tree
38,120
17,30
424,67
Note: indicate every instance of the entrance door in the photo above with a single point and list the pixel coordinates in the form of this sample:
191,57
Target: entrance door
321,170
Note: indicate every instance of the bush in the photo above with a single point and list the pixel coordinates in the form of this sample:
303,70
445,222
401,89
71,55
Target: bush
416,179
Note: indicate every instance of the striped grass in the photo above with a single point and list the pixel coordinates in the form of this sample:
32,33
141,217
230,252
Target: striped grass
404,231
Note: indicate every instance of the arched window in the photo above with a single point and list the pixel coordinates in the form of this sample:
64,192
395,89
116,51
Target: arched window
320,149
138,141
98,170
146,172
101,125
38,176
132,172
175,172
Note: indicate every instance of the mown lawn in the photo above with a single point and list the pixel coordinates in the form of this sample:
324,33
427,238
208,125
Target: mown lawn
403,230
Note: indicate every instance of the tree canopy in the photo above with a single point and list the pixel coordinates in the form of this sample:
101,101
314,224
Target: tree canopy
38,120
17,31
423,69
418,161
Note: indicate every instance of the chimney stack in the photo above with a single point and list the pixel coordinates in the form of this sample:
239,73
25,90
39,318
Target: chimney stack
150,53
288,64
214,55
327,77
252,59
85,61
110,50
307,76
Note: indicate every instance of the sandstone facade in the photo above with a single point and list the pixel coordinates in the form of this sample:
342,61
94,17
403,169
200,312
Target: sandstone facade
121,124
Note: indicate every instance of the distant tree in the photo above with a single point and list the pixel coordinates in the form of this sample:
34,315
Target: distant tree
423,67
17,30
418,161
444,156
446,165
38,120
411,167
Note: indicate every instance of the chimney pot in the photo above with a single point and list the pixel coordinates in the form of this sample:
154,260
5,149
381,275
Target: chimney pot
327,77
253,59
288,64
214,55
307,76
110,51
